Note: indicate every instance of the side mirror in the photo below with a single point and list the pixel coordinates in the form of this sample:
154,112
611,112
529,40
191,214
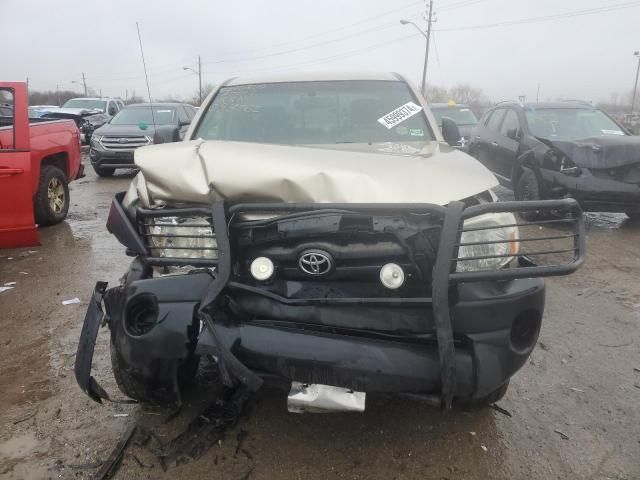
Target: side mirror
112,111
513,134
450,131
183,123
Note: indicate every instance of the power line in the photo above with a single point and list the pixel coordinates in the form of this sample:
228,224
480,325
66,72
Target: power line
307,47
543,18
320,60
322,34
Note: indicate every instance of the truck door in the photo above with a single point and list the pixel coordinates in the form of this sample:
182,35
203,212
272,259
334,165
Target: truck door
17,224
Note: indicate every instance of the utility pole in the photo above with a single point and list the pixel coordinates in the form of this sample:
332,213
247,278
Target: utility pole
200,78
635,85
58,94
84,82
426,53
100,93
27,83
426,35
538,94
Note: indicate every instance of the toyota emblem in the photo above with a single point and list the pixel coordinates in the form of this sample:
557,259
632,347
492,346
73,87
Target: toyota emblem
315,262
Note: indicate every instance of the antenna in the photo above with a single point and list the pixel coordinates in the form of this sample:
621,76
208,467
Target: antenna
144,64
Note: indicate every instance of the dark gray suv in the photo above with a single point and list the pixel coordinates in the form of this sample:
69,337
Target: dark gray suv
137,125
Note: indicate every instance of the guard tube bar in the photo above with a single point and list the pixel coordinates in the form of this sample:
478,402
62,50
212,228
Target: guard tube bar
444,273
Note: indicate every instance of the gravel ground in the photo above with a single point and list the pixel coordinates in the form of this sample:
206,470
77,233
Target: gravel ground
575,407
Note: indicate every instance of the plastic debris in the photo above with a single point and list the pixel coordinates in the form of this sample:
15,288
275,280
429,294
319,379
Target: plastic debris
563,435
484,448
120,414
576,390
4,289
10,284
473,434
71,301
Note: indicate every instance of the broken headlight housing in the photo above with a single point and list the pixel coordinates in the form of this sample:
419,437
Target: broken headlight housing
488,242
182,238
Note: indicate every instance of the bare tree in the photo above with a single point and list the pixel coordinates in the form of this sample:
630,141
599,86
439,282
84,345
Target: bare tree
437,94
465,93
51,97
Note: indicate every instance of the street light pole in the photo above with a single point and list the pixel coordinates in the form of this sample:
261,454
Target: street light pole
426,35
635,85
199,73
200,79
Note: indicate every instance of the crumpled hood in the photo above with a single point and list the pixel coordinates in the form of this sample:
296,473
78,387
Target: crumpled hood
601,152
204,171
78,111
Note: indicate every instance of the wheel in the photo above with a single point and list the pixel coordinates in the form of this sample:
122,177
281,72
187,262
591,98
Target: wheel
487,400
103,171
51,203
527,189
128,384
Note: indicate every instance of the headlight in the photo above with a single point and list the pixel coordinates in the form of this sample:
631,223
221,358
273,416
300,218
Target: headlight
182,237
482,242
95,139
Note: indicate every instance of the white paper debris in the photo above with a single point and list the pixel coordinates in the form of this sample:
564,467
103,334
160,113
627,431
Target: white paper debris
10,284
120,414
473,434
4,289
23,273
71,301
484,448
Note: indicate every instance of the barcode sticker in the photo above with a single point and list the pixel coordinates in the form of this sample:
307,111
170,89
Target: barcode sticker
399,115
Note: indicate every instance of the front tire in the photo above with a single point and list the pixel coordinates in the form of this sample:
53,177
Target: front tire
51,203
527,188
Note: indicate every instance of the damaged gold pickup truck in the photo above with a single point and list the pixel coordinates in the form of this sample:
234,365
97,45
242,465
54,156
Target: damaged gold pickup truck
318,232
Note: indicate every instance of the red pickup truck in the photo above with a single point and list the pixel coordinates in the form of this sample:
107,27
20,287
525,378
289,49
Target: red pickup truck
38,159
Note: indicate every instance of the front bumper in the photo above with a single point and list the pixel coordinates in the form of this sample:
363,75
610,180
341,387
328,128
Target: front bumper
593,193
465,341
111,159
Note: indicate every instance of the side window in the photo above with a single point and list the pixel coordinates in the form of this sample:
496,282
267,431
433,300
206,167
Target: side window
182,115
494,120
192,112
510,122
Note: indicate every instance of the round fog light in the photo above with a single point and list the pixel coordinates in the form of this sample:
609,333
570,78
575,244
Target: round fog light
262,268
392,276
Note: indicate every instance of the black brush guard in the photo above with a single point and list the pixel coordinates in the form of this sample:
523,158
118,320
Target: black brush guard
567,212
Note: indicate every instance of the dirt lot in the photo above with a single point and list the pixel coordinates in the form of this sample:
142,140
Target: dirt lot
575,408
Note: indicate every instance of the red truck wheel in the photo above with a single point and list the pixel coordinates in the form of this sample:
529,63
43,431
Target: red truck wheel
52,199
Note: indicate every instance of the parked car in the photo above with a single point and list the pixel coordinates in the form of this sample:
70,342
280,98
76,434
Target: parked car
38,159
113,144
110,106
317,231
559,150
461,114
36,111
88,113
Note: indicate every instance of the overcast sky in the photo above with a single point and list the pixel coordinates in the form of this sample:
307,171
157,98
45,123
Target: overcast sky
585,56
